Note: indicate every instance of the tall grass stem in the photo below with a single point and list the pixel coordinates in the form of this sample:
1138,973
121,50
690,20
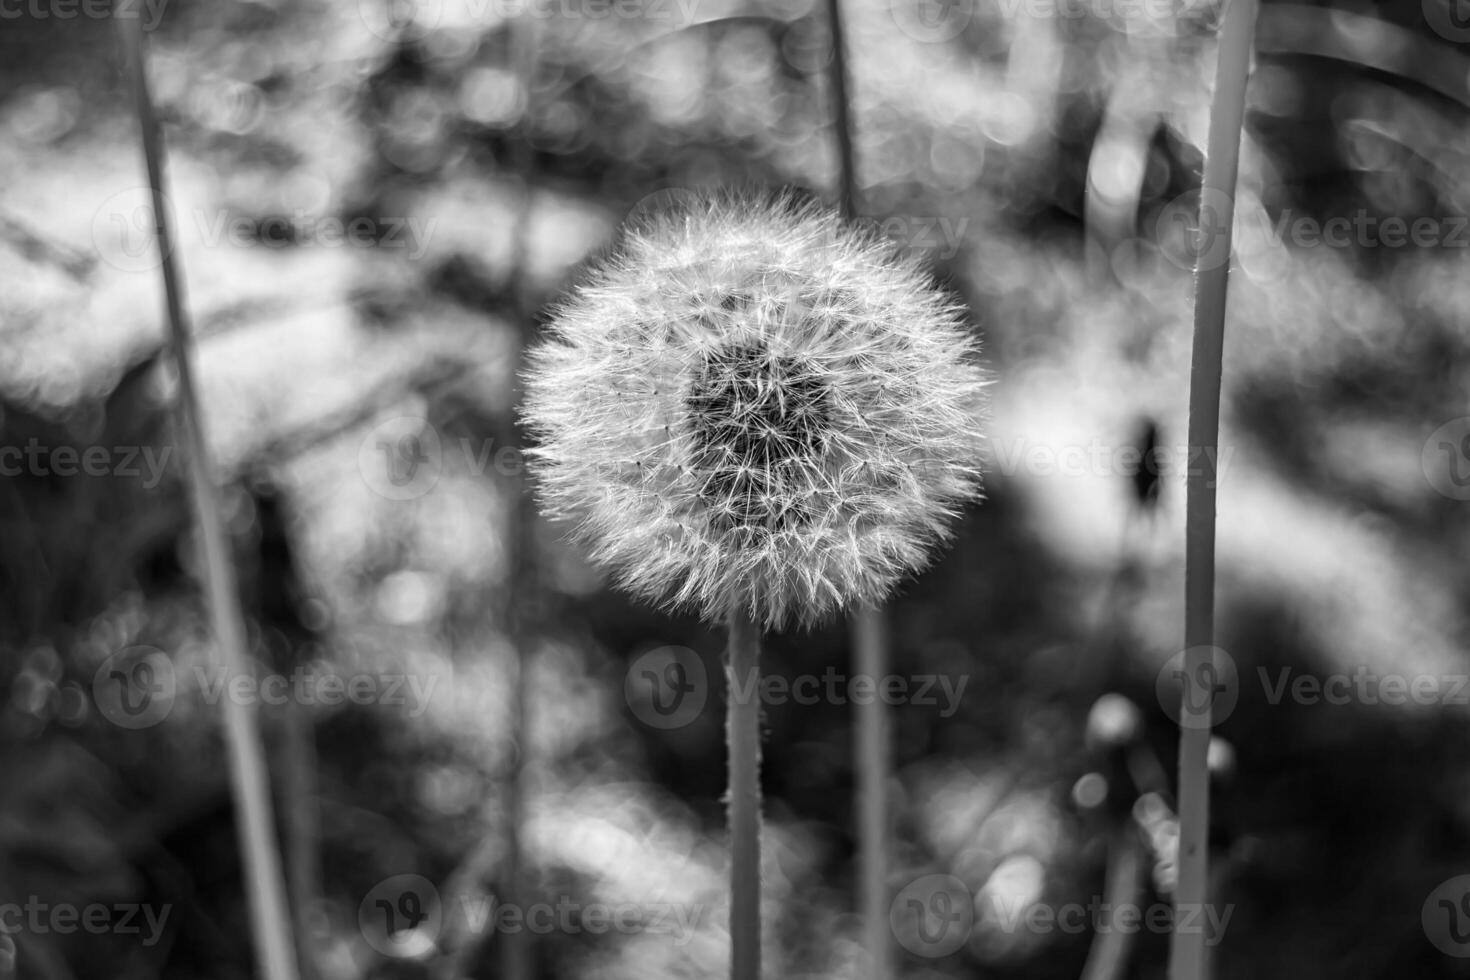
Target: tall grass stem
264,883
869,626
1187,950
743,735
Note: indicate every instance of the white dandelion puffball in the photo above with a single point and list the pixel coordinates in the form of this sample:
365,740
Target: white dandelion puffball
750,402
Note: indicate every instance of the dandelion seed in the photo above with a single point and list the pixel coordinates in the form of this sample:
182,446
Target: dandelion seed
752,405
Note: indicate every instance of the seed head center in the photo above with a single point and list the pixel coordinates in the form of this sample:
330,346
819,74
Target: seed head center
760,423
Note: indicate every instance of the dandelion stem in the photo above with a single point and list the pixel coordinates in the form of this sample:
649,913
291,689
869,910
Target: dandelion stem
743,735
842,112
1187,952
262,861
869,625
870,723
518,953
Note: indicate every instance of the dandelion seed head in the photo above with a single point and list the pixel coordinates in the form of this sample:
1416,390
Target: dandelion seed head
749,401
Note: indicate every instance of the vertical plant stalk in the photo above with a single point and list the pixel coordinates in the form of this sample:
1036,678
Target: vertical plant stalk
1187,950
1108,958
842,113
249,786
743,738
301,803
871,742
517,956
869,626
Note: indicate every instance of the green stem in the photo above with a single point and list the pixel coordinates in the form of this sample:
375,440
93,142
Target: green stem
264,885
743,734
1187,952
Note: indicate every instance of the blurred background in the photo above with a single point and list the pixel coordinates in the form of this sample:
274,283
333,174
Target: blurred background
375,203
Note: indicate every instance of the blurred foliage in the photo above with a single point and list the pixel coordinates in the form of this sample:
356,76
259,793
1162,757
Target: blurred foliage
1047,165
